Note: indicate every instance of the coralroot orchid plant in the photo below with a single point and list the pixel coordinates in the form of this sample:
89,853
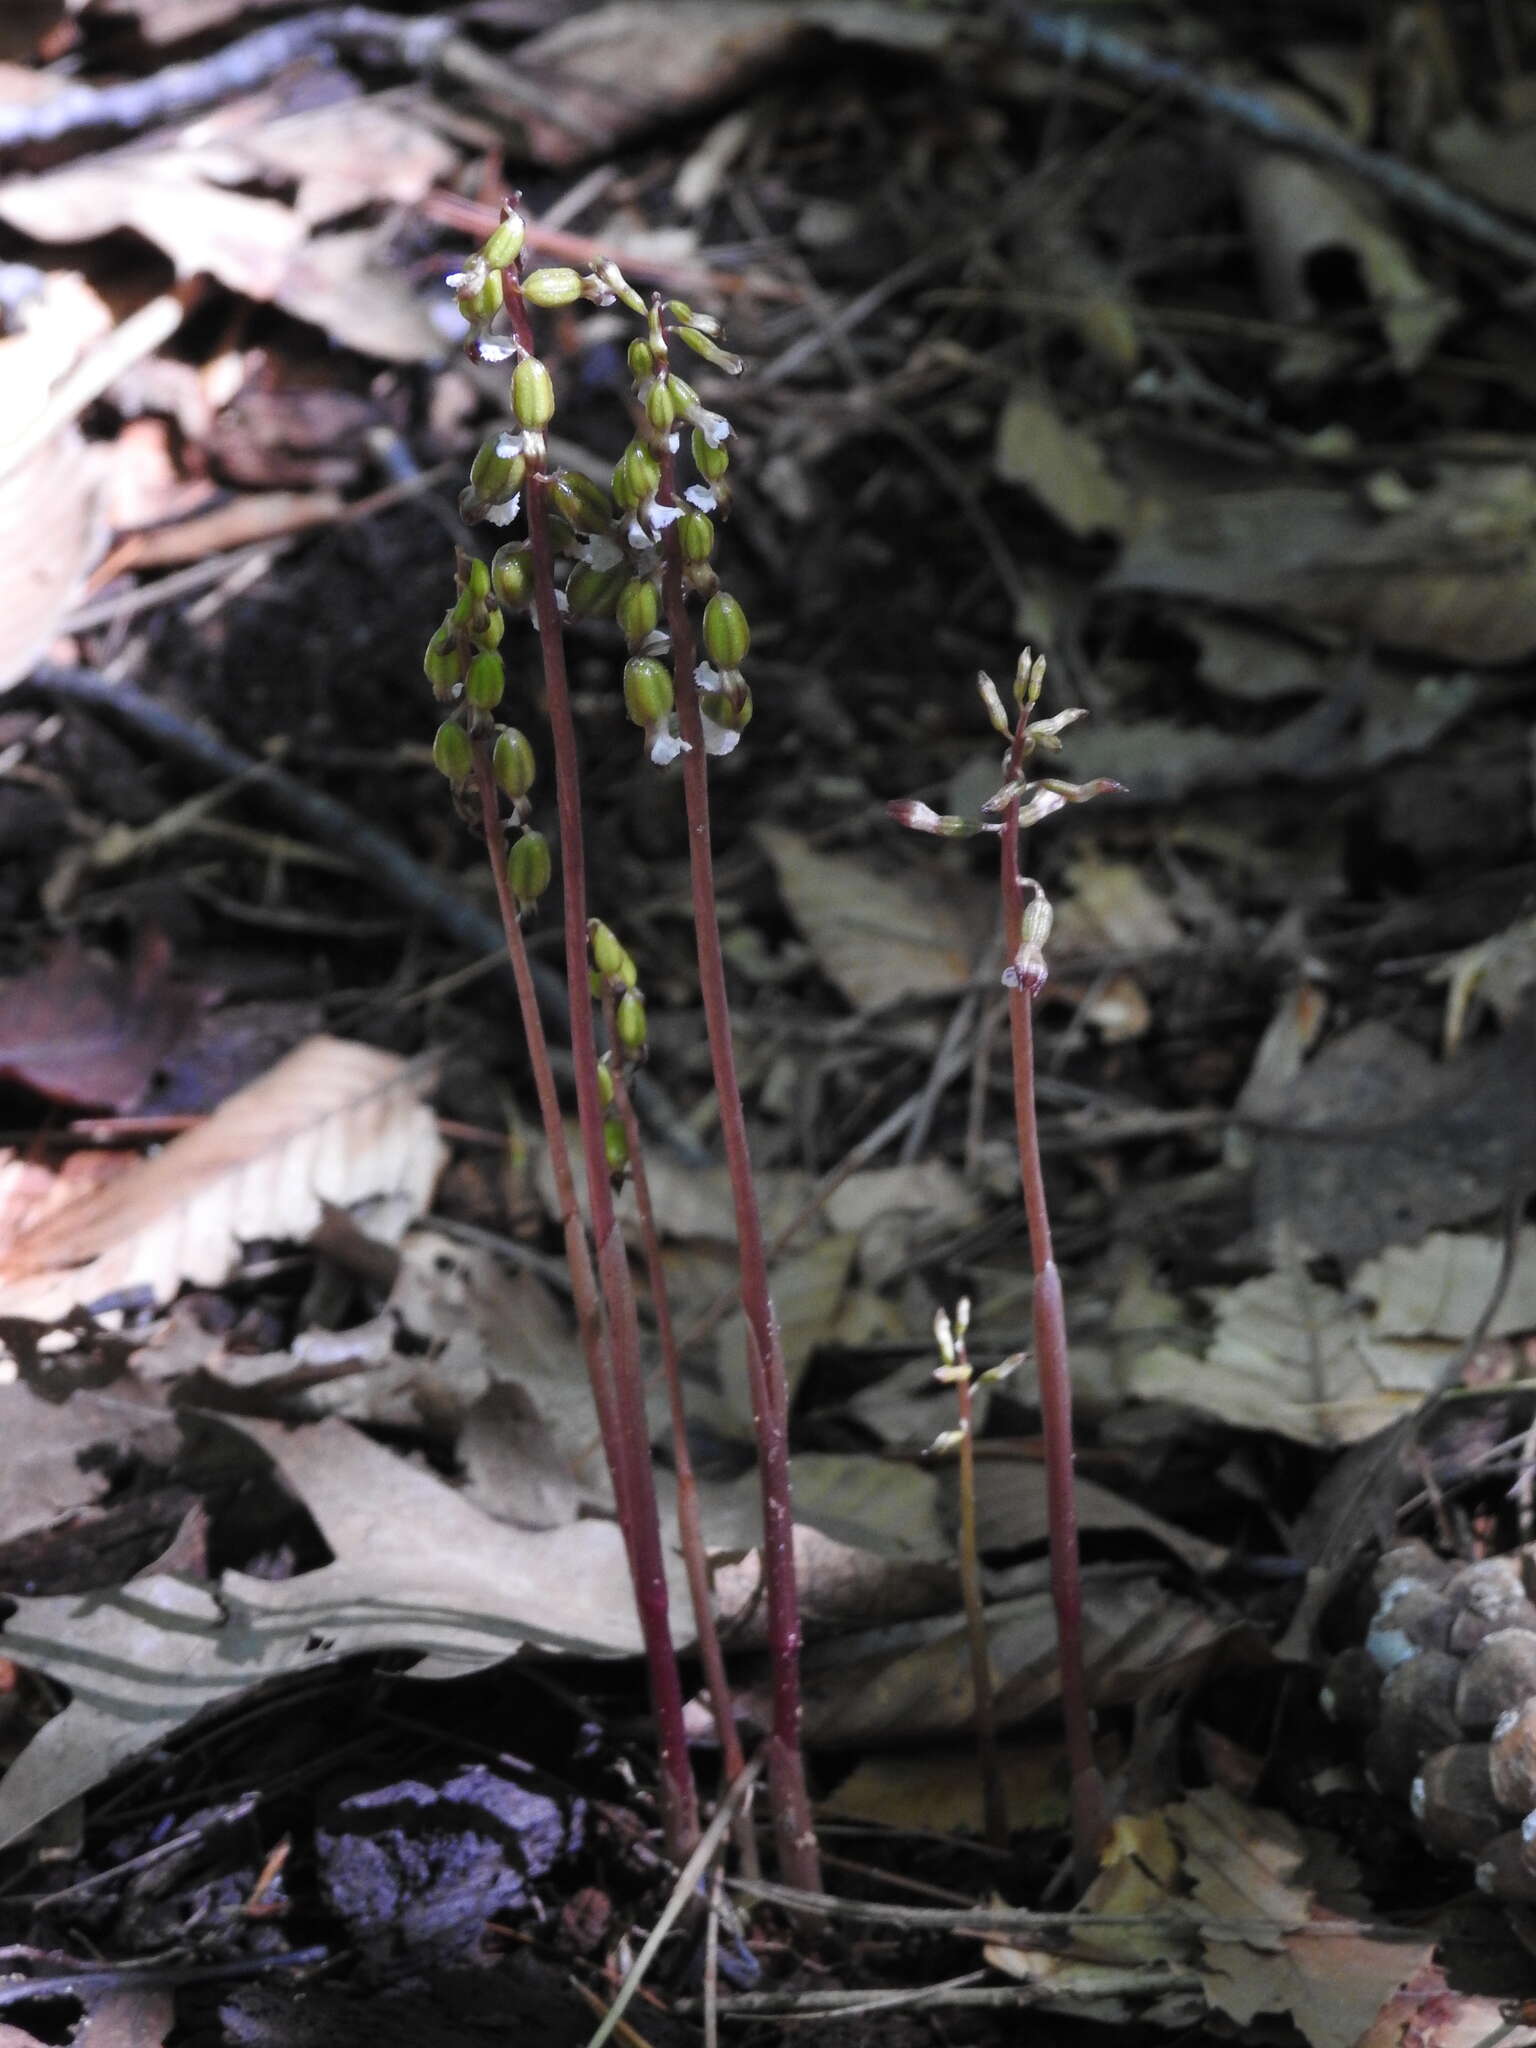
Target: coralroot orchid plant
639,549
1026,928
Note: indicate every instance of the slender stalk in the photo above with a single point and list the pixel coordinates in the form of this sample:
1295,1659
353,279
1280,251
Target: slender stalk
1050,1335
993,1792
794,1828
679,1796
690,1524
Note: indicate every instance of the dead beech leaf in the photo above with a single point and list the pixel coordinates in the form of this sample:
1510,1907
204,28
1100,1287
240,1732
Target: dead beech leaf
1011,1512
416,1567
841,1586
885,1508
1244,1863
57,1472
1062,466
1451,573
51,511
942,1791
1424,2012
334,1123
880,930
83,1029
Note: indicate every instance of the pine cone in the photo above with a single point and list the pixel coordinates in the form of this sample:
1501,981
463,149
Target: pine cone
1445,1688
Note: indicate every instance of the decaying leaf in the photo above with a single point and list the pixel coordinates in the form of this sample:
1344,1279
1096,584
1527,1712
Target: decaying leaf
1062,466
51,511
334,1123
942,1791
1011,1512
1499,972
71,1447
1330,1976
83,1029
886,1509
1424,2012
841,1586
880,930
417,1567
808,1290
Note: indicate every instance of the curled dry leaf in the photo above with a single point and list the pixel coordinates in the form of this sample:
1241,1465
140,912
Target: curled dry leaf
334,1123
83,1029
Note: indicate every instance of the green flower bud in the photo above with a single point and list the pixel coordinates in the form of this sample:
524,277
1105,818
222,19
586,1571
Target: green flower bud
607,953
638,610
464,608
711,351
727,635
512,574
685,316
533,395
452,754
512,763
659,409
615,1145
476,577
732,713
498,467
629,1021
623,495
647,690
629,973
504,244
604,1082
480,296
642,472
711,463
441,662
492,632
579,500
552,287
484,681
696,536
528,868
641,361
684,395
592,593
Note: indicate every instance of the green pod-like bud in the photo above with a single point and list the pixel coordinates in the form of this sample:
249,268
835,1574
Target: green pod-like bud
480,297
452,754
579,500
592,593
727,636
648,693
684,395
512,574
464,607
629,1021
711,351
528,868
504,244
623,495
476,578
607,953
659,409
556,286
533,395
615,1145
629,973
440,663
642,472
498,467
638,610
605,1082
711,463
485,680
696,536
512,763
490,635
640,359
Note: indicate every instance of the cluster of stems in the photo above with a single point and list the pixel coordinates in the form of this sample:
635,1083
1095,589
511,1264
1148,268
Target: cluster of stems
1018,803
637,548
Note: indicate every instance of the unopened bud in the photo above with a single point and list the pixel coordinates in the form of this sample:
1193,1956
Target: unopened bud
1027,969
642,363
638,609
479,296
615,1145
629,1021
533,395
1001,724
710,462
605,1082
476,578
452,754
648,694
513,763
512,574
607,953
1028,678
492,632
659,409
555,286
579,500
504,244
642,472
485,681
711,351
497,469
528,868
441,663
727,635
592,593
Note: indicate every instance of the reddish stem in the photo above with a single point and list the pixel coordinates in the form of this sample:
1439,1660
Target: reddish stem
794,1828
648,1569
1050,1335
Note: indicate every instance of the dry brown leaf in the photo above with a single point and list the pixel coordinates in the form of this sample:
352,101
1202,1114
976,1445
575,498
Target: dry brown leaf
1011,1512
942,1792
1243,1863
841,1587
51,512
128,2016
881,928
332,1124
49,1470
85,1029
1425,2012
351,153
1063,467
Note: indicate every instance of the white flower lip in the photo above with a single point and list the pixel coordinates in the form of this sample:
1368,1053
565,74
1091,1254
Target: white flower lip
503,515
701,497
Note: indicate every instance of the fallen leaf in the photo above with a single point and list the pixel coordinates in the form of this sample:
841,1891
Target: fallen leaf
1012,1512
808,1289
1063,467
417,1567
841,1586
881,930
942,1792
1444,1286
1330,1977
875,1506
334,1123
51,510
1499,971
1425,2012
62,1454
127,2016
84,1029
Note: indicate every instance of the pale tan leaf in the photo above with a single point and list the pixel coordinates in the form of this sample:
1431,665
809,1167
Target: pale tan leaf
1442,1286
1295,1956
941,1791
1426,2013
881,929
1062,466
1011,1512
841,1587
332,1124
51,511
808,1289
